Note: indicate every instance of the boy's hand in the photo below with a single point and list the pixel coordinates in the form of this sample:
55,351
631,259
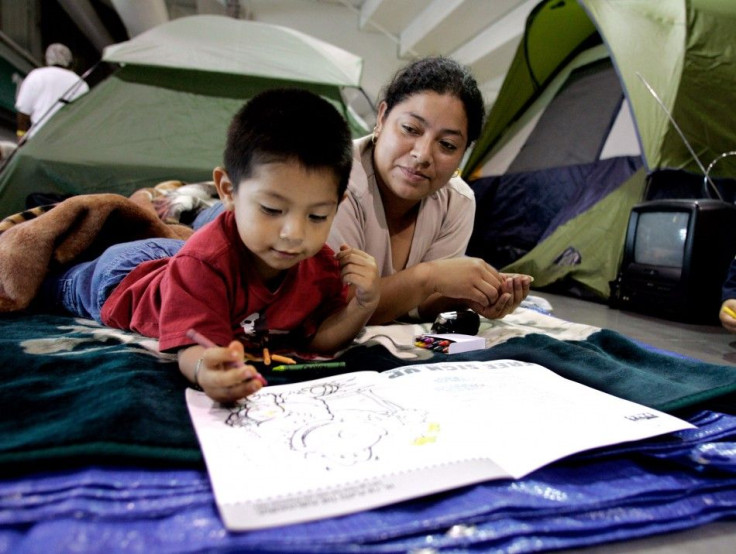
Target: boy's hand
359,270
224,376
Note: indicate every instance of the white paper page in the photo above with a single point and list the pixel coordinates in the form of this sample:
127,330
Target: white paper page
360,440
322,448
521,415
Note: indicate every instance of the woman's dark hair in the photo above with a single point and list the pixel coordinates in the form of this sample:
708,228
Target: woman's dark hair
289,124
443,76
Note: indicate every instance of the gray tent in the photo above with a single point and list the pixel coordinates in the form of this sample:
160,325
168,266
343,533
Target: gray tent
164,113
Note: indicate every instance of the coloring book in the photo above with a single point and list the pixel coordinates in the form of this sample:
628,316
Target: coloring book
332,446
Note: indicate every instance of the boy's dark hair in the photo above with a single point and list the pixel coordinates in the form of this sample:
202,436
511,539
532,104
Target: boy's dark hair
288,124
443,76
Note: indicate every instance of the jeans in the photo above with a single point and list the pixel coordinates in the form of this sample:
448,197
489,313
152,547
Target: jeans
83,288
208,214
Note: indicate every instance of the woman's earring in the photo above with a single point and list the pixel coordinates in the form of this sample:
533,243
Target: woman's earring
457,173
374,138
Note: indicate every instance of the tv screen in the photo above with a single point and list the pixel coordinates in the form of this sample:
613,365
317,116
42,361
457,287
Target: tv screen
660,238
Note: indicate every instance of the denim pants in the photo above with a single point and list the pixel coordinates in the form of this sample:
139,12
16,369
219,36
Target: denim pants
208,214
83,288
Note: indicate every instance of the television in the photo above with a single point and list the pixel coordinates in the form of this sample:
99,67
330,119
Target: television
675,259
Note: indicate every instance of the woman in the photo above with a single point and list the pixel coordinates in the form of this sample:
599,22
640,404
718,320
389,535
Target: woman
407,207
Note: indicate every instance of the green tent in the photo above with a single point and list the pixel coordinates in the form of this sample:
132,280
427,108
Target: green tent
679,52
586,114
163,114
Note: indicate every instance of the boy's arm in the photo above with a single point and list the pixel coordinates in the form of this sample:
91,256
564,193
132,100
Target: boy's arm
360,271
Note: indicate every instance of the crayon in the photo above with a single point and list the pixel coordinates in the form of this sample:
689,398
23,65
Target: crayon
282,359
200,339
433,343
315,365
729,311
203,341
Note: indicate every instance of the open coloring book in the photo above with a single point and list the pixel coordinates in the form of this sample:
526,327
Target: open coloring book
332,446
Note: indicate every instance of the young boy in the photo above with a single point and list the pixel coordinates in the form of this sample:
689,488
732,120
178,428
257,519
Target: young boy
261,268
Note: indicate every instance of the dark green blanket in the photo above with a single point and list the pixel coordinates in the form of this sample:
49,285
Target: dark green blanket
74,393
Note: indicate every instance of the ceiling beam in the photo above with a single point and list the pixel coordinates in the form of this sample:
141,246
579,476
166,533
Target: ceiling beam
445,25
389,15
490,52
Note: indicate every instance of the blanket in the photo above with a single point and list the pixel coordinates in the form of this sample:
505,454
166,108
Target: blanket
76,229
76,393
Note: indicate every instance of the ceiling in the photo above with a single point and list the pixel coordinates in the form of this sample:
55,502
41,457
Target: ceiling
481,34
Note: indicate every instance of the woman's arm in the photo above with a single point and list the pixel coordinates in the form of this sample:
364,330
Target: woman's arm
435,285
442,285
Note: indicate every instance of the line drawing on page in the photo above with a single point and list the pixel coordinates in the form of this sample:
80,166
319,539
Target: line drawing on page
332,424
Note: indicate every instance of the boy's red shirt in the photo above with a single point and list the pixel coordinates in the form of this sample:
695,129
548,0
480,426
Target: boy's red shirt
209,285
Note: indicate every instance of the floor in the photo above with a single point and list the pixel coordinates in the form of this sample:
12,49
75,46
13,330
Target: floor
710,343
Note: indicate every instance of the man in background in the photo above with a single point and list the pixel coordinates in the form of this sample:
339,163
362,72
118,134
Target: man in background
46,89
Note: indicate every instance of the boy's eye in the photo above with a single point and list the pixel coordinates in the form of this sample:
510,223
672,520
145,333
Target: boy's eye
270,211
318,218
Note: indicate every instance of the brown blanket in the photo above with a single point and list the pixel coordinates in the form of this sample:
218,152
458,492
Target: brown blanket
76,229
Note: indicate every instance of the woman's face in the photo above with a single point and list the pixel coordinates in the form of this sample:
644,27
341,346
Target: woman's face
420,144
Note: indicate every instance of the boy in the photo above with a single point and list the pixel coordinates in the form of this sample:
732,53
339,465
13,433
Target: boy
260,269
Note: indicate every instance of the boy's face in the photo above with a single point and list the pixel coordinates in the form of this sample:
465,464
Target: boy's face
283,212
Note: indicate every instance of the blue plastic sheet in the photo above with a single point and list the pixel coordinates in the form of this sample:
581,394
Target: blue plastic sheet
618,493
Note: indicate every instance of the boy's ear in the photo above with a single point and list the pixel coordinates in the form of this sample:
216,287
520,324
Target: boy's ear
224,187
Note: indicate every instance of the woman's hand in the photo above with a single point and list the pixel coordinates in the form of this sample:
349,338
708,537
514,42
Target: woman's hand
485,290
468,279
512,292
448,284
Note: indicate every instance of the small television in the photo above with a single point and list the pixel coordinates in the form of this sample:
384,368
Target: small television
676,256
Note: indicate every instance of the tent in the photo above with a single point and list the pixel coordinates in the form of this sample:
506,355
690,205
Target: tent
595,104
163,114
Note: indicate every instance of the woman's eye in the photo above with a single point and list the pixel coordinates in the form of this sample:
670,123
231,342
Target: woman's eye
410,130
448,146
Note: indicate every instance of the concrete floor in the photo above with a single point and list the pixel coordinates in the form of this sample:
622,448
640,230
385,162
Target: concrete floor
710,343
